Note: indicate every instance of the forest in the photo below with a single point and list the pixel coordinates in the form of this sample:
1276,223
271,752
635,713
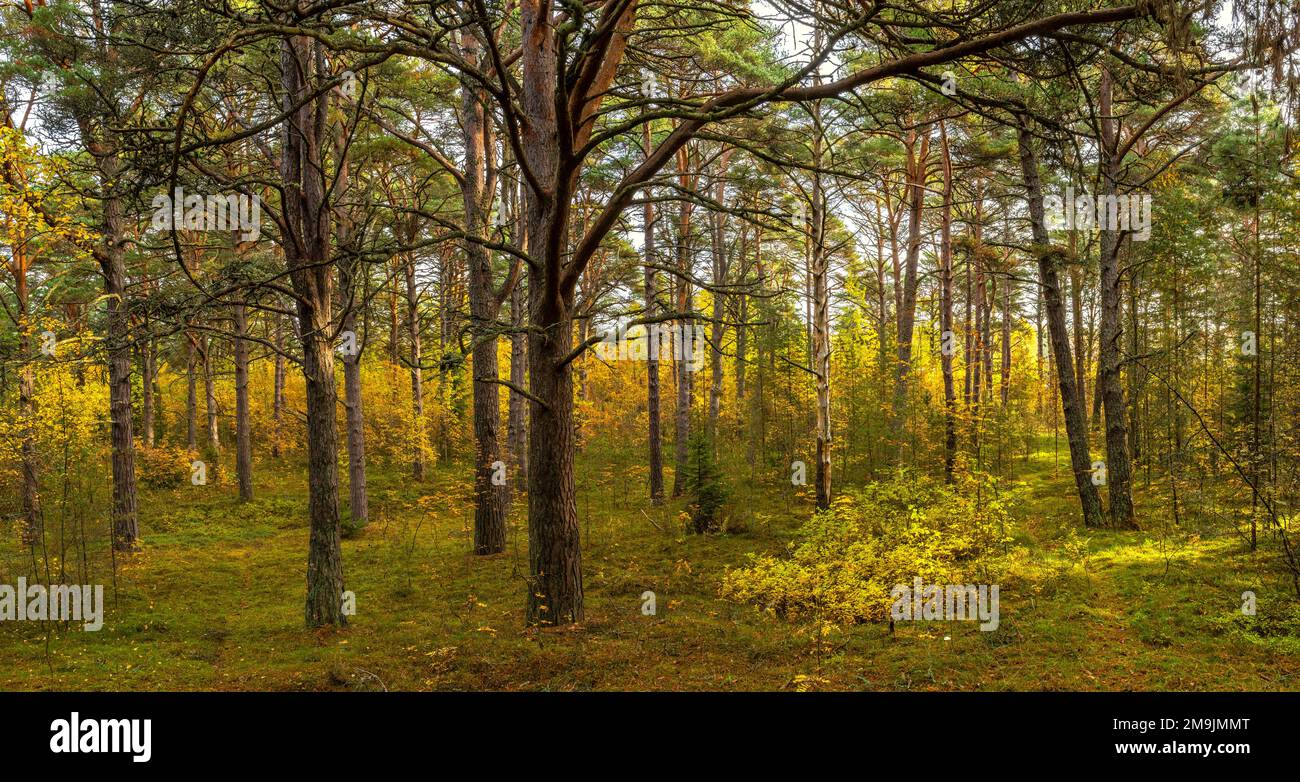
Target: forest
785,345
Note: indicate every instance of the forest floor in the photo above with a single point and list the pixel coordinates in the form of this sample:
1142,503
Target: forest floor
214,602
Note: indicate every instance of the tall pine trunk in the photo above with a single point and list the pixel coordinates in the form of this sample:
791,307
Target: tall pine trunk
1118,467
243,433
1072,406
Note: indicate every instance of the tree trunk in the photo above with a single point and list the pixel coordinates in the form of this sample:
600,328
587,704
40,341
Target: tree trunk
1118,468
210,399
1075,427
947,339
681,362
243,434
554,546
821,319
147,374
126,526
917,163
277,399
478,189
192,395
652,353
517,415
354,408
32,528
1076,301
306,219
417,378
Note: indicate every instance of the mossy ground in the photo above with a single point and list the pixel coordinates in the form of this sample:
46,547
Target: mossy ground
214,601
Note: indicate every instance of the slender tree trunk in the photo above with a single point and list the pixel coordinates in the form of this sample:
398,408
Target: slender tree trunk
1118,467
1004,371
243,432
821,317
32,528
148,373
652,350
1076,300
517,423
720,264
681,361
478,189
192,395
350,290
947,339
417,378
917,165
1071,405
517,406
277,399
354,408
210,399
126,528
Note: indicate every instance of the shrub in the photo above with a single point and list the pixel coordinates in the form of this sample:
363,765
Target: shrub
163,467
849,557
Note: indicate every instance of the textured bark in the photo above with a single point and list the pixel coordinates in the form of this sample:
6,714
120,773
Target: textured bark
418,433
478,189
306,219
112,262
353,406
192,395
655,438
947,338
1076,311
721,263
1118,466
554,546
517,414
1072,406
32,527
1004,368
210,399
681,362
243,434
277,398
148,373
917,165
349,285
819,271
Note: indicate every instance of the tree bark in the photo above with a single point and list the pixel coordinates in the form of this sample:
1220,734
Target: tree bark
418,434
306,217
111,256
192,394
917,164
277,398
210,399
243,434
652,354
1048,258
947,339
478,189
1118,467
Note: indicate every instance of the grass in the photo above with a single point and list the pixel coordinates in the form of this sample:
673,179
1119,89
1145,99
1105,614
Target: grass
214,601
